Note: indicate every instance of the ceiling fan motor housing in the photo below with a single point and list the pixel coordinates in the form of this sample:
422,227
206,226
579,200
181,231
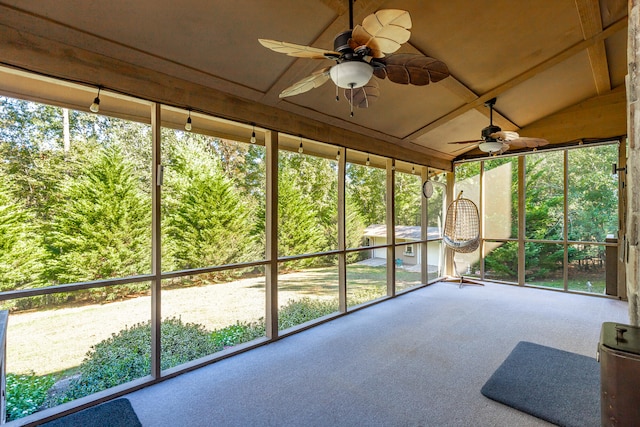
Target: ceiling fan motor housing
486,132
341,42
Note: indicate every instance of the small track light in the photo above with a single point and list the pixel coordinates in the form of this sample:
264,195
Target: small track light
187,126
95,107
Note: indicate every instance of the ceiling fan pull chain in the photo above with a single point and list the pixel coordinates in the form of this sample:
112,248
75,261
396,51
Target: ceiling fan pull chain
351,102
337,89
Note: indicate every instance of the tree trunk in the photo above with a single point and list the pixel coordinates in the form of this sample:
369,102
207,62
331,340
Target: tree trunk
633,163
65,130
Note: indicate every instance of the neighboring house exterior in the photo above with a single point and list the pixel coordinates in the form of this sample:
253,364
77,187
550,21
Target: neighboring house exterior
408,255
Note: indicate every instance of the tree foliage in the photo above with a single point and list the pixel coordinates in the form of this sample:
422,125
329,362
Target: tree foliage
206,221
592,215
102,223
366,189
300,226
22,254
408,196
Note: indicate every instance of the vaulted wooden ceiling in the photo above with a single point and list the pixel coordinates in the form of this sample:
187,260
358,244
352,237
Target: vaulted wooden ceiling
557,67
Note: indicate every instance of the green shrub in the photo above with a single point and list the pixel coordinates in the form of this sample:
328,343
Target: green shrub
126,356
296,312
238,333
363,295
26,393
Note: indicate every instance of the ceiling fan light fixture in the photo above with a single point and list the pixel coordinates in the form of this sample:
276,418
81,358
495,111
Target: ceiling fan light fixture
351,74
490,146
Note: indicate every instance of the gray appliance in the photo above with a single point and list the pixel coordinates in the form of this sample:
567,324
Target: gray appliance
619,357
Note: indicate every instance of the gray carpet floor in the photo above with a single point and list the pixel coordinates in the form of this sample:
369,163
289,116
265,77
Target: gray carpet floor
417,360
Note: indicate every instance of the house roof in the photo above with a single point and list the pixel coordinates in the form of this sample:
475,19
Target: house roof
405,232
553,65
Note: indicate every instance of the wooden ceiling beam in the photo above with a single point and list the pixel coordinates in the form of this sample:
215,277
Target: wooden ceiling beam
543,66
591,22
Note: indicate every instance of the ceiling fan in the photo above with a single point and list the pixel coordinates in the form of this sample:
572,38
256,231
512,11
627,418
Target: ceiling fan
496,141
360,53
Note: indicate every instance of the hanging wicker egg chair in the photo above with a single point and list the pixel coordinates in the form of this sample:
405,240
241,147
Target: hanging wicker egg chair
462,226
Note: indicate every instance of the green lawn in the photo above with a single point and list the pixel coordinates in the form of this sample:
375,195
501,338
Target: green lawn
597,286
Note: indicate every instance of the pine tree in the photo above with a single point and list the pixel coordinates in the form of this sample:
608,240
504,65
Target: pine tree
206,222
21,252
102,225
299,229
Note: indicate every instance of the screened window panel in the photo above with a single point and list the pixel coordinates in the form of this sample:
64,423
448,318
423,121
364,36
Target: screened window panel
306,294
213,208
307,203
501,261
592,196
544,264
544,196
587,268
365,204
500,210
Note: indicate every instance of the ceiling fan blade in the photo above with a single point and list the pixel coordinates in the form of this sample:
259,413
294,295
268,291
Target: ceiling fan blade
316,79
297,50
505,147
473,141
415,69
383,31
505,135
524,142
364,96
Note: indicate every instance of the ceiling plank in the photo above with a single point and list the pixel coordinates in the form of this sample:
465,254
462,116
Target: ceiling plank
340,6
603,116
551,62
591,22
